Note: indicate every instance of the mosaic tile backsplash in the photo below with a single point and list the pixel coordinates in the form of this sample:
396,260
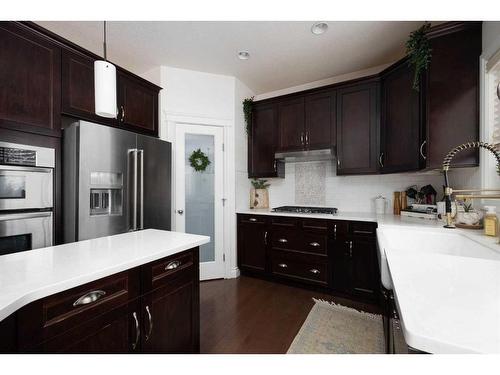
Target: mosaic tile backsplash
310,183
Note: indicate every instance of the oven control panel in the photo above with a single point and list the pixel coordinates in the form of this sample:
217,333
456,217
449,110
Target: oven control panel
17,156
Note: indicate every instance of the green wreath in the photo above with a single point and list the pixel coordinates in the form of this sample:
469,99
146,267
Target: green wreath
199,161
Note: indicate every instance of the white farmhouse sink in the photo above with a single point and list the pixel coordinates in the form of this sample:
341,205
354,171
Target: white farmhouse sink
428,241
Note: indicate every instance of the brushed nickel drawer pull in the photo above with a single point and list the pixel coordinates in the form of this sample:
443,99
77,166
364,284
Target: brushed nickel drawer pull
315,271
89,298
363,232
283,265
137,331
150,318
252,219
283,240
314,244
173,265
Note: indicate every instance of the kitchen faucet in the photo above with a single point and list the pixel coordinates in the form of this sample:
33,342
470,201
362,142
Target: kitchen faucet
448,191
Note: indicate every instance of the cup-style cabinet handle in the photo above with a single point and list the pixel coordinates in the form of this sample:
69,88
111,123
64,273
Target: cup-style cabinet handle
89,297
252,219
265,237
283,240
137,330
282,265
315,271
314,244
422,150
173,265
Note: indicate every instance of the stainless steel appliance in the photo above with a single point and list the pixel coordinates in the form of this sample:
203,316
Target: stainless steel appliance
114,181
306,210
26,197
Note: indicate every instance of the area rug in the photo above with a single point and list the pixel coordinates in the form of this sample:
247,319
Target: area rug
335,329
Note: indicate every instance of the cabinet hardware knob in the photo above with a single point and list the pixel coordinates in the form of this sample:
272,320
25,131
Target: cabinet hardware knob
89,297
173,265
137,331
283,265
283,240
381,160
422,150
314,244
265,237
180,212
150,318
315,271
252,219
123,113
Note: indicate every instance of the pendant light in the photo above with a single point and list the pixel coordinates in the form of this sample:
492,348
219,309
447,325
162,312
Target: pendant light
105,85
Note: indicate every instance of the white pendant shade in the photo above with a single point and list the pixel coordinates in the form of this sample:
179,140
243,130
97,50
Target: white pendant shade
105,89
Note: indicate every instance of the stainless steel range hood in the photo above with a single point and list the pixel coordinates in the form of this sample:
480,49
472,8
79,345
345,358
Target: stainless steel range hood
309,155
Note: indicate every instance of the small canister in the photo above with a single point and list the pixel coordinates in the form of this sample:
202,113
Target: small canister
380,203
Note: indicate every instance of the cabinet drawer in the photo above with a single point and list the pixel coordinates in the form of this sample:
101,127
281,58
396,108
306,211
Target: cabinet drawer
303,268
284,222
314,243
286,239
252,219
160,272
315,225
360,228
55,314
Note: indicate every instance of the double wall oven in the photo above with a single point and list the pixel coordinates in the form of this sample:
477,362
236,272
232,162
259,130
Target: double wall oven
26,197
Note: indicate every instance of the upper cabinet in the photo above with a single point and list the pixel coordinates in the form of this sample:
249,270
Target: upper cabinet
262,142
43,76
401,143
320,120
358,129
452,92
291,124
137,103
30,81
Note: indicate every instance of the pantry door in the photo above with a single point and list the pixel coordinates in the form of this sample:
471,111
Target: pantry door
199,193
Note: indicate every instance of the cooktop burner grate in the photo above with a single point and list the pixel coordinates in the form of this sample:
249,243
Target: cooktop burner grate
306,210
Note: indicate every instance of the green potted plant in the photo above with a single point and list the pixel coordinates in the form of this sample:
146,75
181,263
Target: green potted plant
467,215
418,50
247,112
259,196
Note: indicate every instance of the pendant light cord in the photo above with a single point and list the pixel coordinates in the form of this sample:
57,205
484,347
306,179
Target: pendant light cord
104,44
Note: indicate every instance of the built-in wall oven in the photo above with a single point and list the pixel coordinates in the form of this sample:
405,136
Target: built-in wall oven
26,197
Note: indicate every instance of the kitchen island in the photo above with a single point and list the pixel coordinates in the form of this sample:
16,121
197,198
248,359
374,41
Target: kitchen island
132,292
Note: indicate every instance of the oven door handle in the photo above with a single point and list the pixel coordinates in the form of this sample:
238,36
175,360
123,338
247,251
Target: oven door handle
25,215
17,168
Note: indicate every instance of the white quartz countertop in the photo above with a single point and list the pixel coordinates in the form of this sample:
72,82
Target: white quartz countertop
30,275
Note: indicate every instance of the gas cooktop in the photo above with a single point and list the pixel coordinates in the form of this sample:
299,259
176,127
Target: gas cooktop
306,210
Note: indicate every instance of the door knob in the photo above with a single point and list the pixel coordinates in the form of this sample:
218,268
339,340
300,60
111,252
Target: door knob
180,212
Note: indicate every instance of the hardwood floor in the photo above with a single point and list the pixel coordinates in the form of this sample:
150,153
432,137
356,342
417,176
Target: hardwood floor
249,315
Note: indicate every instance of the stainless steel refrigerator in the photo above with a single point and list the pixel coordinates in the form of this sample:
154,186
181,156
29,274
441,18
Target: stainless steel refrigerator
114,181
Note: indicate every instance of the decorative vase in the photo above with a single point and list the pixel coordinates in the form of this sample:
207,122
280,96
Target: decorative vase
259,198
468,218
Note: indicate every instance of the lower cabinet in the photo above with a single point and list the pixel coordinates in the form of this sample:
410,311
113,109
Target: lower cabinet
153,308
334,255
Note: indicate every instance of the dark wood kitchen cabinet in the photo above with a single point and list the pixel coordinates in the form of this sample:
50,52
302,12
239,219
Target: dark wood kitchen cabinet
320,120
358,129
451,89
262,142
291,124
137,103
30,81
153,308
401,140
253,238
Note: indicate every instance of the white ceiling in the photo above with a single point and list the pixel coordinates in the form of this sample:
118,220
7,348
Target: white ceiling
283,54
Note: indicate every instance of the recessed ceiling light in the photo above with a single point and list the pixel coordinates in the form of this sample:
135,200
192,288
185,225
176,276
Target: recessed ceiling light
319,28
243,55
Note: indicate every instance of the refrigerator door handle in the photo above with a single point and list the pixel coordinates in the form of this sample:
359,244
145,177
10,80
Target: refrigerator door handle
133,193
140,154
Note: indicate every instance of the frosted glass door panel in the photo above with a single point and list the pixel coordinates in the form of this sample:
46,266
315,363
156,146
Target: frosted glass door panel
199,208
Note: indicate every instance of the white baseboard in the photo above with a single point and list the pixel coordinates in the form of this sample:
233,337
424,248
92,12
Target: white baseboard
233,273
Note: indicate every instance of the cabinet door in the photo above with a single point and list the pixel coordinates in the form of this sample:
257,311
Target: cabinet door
137,104
262,142
364,267
340,265
30,81
291,125
253,237
357,129
452,96
400,126
320,120
171,317
78,90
